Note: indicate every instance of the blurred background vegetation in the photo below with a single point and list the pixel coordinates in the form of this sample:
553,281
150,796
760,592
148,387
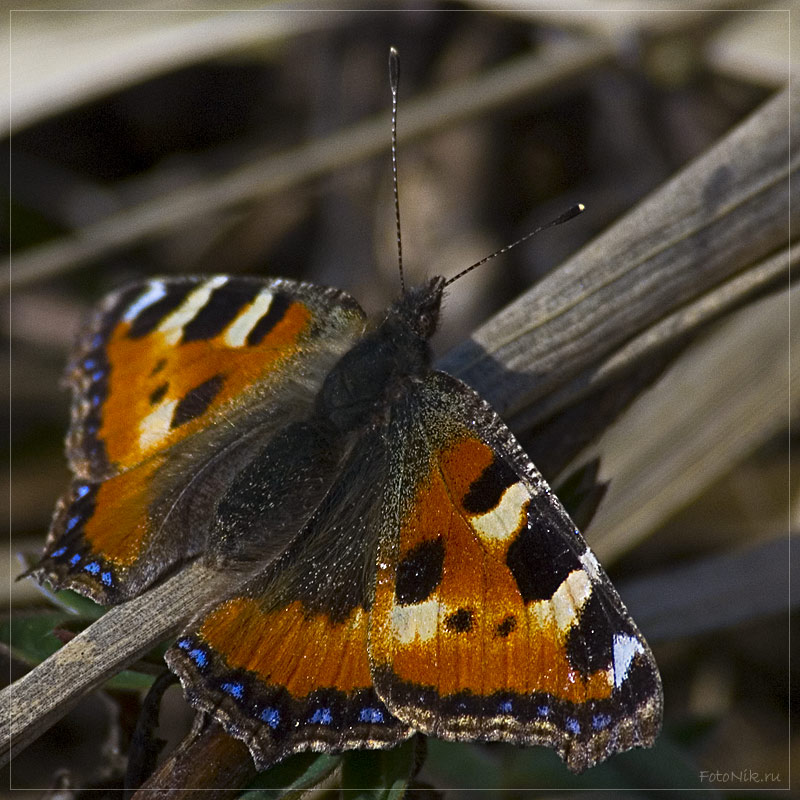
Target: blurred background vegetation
158,142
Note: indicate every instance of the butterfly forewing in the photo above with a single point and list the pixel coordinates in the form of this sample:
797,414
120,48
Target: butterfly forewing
179,382
492,619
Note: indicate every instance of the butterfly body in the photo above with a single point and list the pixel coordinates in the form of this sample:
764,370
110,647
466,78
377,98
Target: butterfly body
371,376
398,564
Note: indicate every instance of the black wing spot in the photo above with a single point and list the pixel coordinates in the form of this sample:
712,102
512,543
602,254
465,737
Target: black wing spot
507,626
157,395
460,621
196,401
160,364
486,492
540,560
420,572
222,308
590,641
276,312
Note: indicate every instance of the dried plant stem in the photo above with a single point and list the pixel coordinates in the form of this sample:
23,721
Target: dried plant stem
45,694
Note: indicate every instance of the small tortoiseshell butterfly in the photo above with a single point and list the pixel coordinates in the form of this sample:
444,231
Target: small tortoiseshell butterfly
397,562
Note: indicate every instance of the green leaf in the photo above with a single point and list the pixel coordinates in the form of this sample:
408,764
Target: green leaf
30,636
502,767
293,776
379,774
78,604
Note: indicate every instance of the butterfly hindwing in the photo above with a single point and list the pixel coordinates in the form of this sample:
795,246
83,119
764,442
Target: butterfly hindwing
492,619
178,383
283,662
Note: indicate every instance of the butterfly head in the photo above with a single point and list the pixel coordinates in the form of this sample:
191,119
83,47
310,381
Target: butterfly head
418,308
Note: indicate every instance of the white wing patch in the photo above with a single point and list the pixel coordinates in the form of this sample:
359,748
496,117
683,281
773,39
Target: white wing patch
566,603
238,331
411,621
505,520
156,425
155,291
625,650
590,564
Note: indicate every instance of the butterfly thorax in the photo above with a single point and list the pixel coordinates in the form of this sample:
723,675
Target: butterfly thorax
376,370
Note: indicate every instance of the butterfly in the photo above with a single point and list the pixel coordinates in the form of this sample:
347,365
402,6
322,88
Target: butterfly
397,563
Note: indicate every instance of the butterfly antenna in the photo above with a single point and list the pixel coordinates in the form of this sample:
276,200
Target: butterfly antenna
394,82
565,217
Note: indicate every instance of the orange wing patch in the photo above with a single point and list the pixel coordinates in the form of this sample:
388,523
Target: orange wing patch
289,647
102,530
285,680
448,612
181,387
119,526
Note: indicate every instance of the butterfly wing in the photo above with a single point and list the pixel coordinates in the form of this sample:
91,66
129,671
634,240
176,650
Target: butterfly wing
178,383
491,618
440,587
283,662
